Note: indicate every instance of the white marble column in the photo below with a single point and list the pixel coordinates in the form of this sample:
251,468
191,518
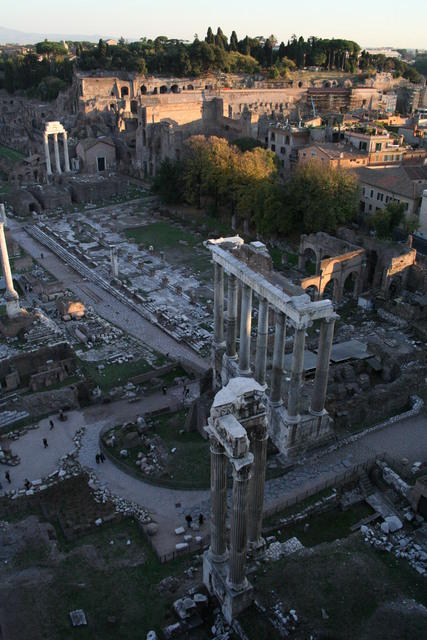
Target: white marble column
245,331
231,317
259,440
66,155
218,547
322,367
3,215
262,341
47,154
239,524
11,296
278,356
56,149
297,373
218,305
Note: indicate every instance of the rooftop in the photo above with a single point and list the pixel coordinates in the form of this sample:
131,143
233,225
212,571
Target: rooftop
408,181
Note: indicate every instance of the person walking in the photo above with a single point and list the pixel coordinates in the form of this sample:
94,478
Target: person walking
102,457
27,484
7,476
189,520
97,458
201,519
164,389
51,425
45,444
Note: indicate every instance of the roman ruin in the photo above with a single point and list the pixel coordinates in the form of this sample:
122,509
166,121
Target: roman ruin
292,427
54,129
11,297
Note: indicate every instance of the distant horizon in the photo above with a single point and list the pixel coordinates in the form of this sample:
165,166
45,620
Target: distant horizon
368,24
105,36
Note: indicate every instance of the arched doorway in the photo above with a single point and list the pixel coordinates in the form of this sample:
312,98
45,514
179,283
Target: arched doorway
124,91
329,291
174,88
143,89
309,261
350,284
163,89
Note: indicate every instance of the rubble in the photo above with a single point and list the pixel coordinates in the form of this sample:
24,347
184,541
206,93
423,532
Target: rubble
398,542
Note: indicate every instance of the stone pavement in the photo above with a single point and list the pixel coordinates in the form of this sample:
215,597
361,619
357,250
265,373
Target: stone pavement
105,304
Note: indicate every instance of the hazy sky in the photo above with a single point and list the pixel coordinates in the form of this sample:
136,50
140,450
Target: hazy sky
394,22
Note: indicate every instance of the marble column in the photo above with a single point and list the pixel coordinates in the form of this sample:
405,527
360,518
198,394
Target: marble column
322,367
11,296
262,341
297,373
259,441
56,149
231,317
47,154
66,155
278,356
218,547
218,304
239,524
245,331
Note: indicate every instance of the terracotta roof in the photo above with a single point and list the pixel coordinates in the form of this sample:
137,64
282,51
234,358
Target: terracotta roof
405,181
88,143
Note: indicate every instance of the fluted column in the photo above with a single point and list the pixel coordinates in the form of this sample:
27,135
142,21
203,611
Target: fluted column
11,296
278,356
56,149
322,367
262,341
218,304
218,547
66,156
231,317
47,154
3,215
297,373
245,331
259,441
239,524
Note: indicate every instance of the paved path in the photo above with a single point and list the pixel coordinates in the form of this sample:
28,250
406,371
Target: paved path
167,506
105,304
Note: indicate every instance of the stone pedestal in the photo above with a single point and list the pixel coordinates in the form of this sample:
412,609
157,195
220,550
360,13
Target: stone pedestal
215,578
293,438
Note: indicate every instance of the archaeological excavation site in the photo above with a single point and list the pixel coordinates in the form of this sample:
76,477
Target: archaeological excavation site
213,327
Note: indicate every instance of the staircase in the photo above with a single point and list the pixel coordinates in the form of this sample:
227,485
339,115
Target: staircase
365,484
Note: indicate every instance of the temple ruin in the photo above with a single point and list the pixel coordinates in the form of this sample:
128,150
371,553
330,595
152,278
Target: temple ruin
292,428
237,429
54,128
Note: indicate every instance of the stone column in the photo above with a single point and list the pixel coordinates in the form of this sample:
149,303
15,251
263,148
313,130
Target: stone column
232,317
66,155
56,149
278,356
11,296
245,331
262,341
114,262
257,483
322,366
218,305
239,523
297,373
218,548
47,154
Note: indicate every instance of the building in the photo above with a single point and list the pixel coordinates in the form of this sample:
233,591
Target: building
404,184
96,154
284,141
332,154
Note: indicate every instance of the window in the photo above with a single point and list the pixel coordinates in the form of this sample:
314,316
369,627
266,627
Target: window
287,140
283,151
313,154
363,145
370,207
273,136
273,147
378,146
380,196
363,190
387,198
372,193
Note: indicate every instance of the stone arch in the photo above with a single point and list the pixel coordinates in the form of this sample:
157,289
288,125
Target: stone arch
155,91
190,87
312,291
351,282
330,290
395,286
163,89
134,106
300,84
124,91
174,88
309,260
143,89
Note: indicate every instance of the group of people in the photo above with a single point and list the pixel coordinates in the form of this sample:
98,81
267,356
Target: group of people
100,457
189,519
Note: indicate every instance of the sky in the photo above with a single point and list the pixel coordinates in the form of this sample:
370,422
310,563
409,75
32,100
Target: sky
392,23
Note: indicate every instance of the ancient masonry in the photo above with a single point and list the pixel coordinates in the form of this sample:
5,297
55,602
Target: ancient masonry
289,428
237,429
54,128
11,296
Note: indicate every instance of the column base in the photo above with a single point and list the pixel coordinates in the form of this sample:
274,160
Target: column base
246,373
12,308
323,412
232,601
217,558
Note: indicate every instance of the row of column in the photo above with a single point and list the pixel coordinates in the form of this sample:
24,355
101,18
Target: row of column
297,367
56,151
246,515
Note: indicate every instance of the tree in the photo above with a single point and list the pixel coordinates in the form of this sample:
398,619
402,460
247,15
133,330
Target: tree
210,38
168,182
234,43
384,221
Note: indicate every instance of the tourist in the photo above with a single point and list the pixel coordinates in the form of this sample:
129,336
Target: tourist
41,256
51,425
7,476
97,458
102,457
201,519
27,484
164,389
45,444
189,520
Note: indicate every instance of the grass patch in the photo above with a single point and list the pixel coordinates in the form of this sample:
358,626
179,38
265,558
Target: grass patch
162,235
114,374
11,154
296,508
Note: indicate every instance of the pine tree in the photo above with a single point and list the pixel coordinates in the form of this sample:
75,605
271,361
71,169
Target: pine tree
234,42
